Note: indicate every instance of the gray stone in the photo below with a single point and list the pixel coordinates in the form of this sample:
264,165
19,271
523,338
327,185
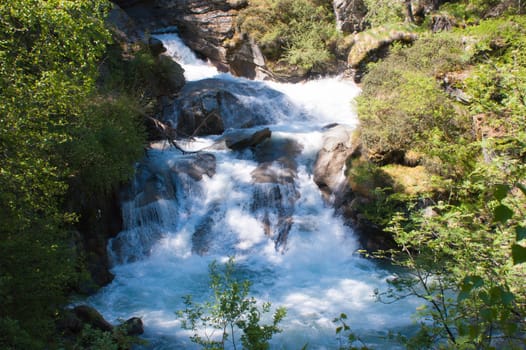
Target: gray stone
331,159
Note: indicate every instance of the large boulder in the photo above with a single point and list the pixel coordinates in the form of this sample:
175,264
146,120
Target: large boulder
211,106
275,194
330,163
89,315
240,139
371,45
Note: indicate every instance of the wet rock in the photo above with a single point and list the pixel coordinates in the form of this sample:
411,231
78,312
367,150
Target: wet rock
275,194
241,139
331,159
211,106
92,317
203,236
273,173
156,46
133,326
196,165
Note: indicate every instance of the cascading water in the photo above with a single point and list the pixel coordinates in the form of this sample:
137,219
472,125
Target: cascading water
259,205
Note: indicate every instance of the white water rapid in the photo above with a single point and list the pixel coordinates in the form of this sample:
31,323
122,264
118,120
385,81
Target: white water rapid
186,210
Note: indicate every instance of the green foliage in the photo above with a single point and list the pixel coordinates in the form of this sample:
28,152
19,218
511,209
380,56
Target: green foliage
231,309
106,143
394,114
298,32
381,12
14,337
56,133
466,259
95,339
346,338
471,11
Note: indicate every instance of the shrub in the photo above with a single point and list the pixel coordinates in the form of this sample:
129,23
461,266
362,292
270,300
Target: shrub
297,32
380,12
231,308
403,104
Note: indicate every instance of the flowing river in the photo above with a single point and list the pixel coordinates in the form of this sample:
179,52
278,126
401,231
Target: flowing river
258,205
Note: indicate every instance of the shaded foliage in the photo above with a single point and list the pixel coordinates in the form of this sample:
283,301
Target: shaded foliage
56,132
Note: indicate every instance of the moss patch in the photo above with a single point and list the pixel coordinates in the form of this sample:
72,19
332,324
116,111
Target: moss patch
411,180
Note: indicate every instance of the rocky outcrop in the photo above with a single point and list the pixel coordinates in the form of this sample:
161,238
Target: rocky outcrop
374,44
350,15
152,202
211,106
92,317
207,27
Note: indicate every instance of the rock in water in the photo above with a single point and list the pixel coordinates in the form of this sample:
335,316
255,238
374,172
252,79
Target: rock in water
133,326
331,159
92,317
211,106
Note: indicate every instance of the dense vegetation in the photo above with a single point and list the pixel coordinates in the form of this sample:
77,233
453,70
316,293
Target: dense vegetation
231,310
68,134
450,111
298,33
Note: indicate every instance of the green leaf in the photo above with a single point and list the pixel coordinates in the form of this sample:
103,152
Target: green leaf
338,329
521,233
501,191
502,213
518,253
522,188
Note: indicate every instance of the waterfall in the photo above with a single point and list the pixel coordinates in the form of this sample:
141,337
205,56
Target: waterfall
259,205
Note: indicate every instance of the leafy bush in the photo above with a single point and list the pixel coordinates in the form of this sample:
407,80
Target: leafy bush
231,308
465,253
298,32
380,12
402,103
56,132
106,144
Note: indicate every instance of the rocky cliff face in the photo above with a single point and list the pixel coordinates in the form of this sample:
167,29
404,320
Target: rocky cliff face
207,27
350,15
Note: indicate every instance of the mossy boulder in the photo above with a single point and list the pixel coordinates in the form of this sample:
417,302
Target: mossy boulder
371,45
